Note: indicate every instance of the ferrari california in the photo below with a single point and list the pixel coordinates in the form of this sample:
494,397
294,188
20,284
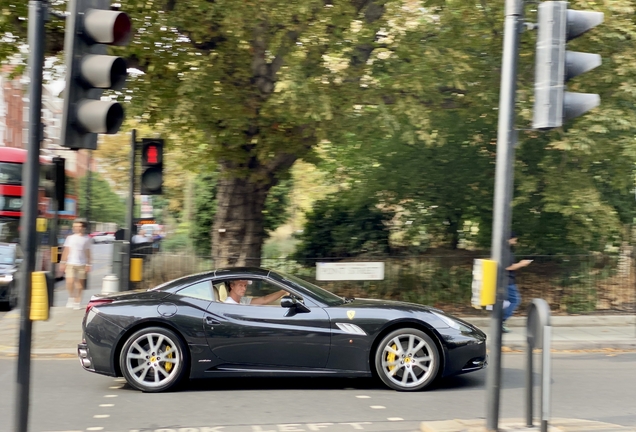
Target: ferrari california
184,329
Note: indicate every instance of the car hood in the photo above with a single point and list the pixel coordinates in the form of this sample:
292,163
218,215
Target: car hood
393,304
361,303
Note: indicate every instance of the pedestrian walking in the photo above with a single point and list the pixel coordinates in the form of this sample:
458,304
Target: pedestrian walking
76,262
513,292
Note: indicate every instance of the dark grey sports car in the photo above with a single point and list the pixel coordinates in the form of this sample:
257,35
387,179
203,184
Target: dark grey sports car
183,328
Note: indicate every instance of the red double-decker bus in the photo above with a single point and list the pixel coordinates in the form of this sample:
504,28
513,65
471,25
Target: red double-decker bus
12,161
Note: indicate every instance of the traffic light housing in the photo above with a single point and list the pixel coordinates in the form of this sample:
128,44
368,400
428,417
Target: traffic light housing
554,65
53,181
151,166
90,26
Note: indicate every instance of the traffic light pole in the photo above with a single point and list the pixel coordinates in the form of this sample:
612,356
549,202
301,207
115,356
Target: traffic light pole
504,178
37,13
88,190
125,279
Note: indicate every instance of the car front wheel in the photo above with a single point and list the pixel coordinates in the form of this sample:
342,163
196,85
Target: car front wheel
153,359
407,359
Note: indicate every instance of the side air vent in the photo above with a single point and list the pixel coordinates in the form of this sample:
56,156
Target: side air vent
351,329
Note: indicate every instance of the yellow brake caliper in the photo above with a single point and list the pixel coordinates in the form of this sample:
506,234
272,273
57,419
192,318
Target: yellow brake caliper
390,357
166,365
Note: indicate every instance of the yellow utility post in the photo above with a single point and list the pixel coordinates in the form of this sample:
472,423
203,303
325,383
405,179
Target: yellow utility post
484,283
39,297
54,255
136,269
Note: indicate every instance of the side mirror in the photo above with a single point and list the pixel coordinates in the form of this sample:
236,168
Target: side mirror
290,302
287,302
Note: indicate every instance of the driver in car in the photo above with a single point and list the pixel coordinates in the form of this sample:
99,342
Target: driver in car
238,288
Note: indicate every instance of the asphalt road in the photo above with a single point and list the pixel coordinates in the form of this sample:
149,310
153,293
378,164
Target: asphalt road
65,398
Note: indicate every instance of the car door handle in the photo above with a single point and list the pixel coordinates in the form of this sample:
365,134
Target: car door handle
211,321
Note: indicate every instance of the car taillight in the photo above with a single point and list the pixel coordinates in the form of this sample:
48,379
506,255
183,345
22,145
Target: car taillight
97,302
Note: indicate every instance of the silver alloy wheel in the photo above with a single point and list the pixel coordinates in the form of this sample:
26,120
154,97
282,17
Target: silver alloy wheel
407,361
153,360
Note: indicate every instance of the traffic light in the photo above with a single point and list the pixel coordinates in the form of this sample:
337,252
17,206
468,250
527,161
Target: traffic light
53,181
151,166
60,181
555,65
90,26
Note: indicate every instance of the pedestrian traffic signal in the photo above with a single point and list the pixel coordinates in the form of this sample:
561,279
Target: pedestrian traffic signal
151,166
90,26
555,65
53,181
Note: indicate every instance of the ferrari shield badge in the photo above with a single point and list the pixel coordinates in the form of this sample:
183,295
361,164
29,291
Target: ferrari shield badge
351,314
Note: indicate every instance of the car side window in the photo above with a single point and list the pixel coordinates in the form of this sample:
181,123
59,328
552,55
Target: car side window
200,290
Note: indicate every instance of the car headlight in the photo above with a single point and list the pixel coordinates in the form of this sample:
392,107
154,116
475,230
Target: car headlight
452,323
6,278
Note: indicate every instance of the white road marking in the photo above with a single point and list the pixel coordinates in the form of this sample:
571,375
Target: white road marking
120,380
363,397
106,405
110,396
395,419
377,407
95,428
101,416
115,387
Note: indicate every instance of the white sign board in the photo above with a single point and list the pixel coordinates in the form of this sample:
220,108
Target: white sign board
363,271
146,207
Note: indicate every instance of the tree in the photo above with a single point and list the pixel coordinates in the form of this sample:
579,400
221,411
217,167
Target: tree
105,205
250,87
341,226
275,212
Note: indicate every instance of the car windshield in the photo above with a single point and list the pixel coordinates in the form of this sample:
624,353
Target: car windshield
319,293
6,255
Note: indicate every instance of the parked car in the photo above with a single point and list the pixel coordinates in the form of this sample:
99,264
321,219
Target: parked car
184,329
106,237
10,260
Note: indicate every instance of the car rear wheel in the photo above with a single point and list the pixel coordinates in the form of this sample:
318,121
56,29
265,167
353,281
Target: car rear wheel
407,359
153,359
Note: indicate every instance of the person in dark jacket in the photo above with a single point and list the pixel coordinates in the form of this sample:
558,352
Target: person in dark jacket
513,292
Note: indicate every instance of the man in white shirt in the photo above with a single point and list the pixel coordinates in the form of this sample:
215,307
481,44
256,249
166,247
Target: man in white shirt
238,288
76,262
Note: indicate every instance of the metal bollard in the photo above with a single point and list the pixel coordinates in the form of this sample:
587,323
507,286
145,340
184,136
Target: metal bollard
110,284
539,335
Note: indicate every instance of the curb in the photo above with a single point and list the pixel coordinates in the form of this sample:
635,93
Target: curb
562,321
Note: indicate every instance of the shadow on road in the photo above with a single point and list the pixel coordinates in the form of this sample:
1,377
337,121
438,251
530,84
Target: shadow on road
462,382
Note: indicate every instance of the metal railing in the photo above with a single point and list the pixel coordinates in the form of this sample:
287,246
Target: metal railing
574,284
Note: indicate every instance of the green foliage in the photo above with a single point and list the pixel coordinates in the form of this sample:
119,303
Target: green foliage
341,226
178,241
204,211
105,205
401,98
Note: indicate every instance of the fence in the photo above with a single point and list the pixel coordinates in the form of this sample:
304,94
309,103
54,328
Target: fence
574,284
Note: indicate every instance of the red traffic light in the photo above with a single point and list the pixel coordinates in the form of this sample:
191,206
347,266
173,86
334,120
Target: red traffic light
152,152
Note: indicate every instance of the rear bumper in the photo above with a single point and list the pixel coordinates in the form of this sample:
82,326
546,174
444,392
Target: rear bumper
84,356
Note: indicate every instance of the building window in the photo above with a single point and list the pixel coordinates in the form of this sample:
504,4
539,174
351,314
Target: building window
25,136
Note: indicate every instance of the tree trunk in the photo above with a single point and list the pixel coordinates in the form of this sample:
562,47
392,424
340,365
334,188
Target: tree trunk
237,232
